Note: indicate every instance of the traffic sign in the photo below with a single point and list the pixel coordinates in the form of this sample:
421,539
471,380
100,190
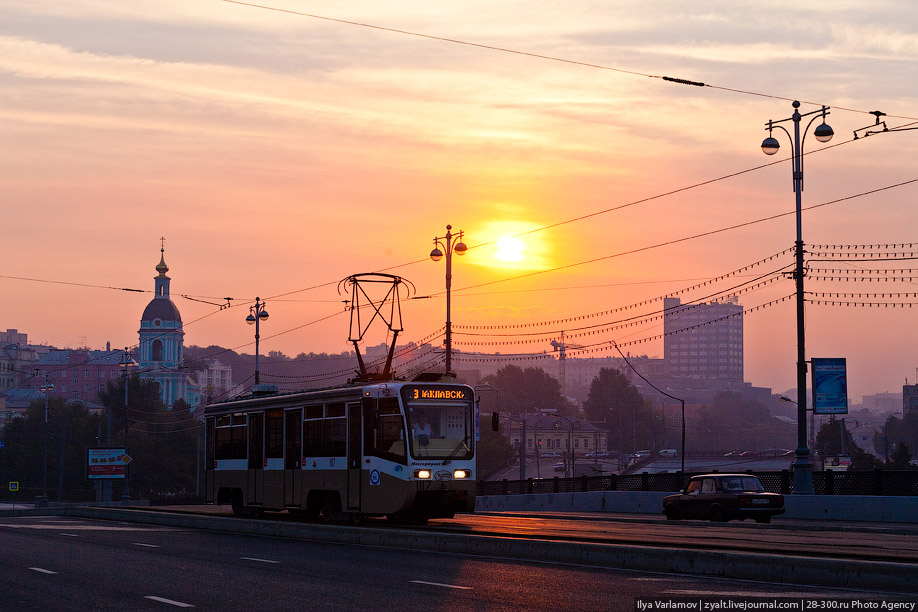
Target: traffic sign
14,485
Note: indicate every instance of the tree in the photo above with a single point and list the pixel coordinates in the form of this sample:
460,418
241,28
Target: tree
901,458
618,403
521,391
163,443
70,429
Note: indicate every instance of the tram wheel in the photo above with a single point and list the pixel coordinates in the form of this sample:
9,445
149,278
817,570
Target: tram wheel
356,518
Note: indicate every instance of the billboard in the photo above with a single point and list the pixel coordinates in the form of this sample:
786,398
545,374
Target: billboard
106,462
830,386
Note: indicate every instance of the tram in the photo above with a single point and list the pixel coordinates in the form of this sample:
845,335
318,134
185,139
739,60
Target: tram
404,450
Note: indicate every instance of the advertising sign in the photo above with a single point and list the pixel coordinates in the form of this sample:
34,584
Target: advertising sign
830,386
106,462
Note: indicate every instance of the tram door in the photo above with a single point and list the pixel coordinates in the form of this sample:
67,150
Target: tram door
209,496
256,473
293,452
354,456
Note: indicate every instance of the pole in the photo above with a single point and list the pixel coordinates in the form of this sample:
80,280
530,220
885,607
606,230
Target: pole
523,449
449,282
44,486
802,466
256,341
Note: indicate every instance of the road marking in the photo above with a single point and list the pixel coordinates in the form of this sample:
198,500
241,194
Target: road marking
259,560
448,586
70,535
147,545
42,570
171,602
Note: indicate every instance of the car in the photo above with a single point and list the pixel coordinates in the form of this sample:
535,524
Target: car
723,497
550,455
669,452
559,467
641,454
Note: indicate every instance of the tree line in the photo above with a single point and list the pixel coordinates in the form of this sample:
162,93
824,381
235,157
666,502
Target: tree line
165,445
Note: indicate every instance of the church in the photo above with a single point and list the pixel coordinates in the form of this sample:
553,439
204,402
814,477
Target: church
161,344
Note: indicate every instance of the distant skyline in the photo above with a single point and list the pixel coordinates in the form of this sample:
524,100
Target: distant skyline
279,148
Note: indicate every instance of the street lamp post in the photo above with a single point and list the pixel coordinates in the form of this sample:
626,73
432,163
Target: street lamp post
568,465
802,466
257,313
451,243
46,388
125,363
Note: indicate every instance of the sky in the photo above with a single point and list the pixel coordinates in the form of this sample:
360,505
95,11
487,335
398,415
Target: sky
280,148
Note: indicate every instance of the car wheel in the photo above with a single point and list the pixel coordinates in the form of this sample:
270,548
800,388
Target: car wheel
763,519
672,514
717,514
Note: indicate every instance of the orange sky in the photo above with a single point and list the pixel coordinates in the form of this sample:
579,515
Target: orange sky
278,152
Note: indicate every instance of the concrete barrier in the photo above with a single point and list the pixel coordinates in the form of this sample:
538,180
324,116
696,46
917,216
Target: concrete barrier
868,508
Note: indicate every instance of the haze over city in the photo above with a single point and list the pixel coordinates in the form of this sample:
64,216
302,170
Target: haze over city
281,147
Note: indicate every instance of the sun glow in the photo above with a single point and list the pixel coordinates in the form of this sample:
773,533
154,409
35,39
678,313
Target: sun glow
510,248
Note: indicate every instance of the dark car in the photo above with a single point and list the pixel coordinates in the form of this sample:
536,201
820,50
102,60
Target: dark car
723,497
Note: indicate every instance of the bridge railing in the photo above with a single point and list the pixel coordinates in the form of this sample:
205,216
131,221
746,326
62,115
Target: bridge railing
876,482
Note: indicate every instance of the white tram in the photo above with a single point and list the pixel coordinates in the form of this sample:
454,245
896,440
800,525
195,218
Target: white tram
396,449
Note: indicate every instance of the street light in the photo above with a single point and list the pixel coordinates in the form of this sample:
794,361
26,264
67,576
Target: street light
450,243
802,466
125,363
46,388
257,313
568,465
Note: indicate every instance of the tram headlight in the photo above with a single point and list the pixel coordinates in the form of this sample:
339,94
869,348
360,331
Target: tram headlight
422,474
461,474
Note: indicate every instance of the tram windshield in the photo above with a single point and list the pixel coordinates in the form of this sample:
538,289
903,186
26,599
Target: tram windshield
440,422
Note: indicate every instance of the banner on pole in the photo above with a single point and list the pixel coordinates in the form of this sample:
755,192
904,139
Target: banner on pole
830,386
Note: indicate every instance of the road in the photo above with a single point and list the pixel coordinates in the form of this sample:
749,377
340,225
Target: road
833,540
64,564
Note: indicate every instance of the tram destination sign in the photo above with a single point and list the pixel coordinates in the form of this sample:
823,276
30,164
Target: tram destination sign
439,393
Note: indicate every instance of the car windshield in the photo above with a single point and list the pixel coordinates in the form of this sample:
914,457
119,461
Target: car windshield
742,483
440,429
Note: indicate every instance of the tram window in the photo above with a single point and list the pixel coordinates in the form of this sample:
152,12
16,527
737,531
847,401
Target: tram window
337,436
389,439
334,410
224,420
274,438
229,442
325,438
314,412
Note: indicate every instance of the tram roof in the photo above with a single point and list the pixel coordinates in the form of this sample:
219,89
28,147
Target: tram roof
267,400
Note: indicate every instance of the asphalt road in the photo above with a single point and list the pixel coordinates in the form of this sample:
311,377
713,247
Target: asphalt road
64,563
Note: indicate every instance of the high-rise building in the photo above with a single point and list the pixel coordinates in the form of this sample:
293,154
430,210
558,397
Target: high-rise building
703,340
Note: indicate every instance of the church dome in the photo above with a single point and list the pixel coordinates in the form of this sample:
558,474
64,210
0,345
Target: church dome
161,308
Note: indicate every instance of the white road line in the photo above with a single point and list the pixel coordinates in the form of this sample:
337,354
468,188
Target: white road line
448,586
171,602
147,545
259,560
70,535
42,570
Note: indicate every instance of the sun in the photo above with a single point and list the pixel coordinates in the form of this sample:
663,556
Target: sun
510,249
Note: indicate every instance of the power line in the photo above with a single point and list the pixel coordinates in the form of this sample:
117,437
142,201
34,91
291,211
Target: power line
455,41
